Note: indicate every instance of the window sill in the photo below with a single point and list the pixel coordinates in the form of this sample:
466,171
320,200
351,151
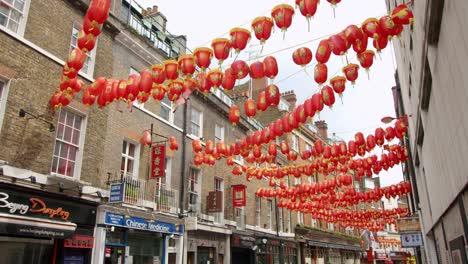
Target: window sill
171,124
67,179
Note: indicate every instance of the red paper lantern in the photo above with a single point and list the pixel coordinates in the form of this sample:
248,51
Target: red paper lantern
360,45
323,51
76,60
86,42
328,96
308,8
320,73
353,33
351,72
91,27
158,73
175,90
271,67
98,10
402,15
366,59
272,149
284,147
158,92
379,136
370,141
380,42
133,83
88,98
171,69
300,115
190,84
317,102
302,56
262,27
240,69
239,38
221,48
309,108
249,108
338,44
262,104
187,64
204,84
215,77
229,79
146,81
283,14
371,27
203,57
257,70
333,2
272,95
234,114
339,84
173,145
145,139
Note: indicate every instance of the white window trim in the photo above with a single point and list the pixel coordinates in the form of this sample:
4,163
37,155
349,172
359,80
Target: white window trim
23,22
289,221
280,219
136,158
222,133
295,142
79,152
200,124
300,218
92,54
269,214
198,190
171,114
3,100
168,172
258,211
221,214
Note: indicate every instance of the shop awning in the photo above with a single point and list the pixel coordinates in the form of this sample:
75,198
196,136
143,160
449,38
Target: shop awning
332,245
35,227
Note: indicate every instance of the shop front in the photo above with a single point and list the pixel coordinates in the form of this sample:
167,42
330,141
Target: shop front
242,247
271,250
41,227
322,247
208,246
136,240
398,257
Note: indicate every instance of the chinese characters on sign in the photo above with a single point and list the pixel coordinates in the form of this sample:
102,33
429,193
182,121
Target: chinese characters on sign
158,153
77,241
411,240
238,196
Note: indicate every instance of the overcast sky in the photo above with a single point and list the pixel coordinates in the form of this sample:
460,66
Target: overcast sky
363,105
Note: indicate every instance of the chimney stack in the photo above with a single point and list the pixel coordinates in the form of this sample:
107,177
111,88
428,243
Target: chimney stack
322,128
290,96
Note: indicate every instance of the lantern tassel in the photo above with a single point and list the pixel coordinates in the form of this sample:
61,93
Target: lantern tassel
308,24
306,72
284,34
334,15
368,75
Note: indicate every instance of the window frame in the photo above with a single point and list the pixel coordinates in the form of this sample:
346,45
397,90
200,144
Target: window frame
80,146
169,106
90,56
280,220
295,143
23,19
269,213
200,124
196,192
136,157
216,138
258,211
300,218
3,99
219,218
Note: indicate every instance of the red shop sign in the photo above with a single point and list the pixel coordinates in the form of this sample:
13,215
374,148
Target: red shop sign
77,241
238,196
158,153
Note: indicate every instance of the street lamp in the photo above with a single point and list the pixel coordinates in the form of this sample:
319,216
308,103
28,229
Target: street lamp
389,119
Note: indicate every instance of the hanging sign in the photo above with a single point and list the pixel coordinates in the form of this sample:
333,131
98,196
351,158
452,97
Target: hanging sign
239,195
158,153
409,225
411,240
215,202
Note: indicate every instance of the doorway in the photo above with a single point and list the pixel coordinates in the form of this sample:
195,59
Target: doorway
205,255
114,255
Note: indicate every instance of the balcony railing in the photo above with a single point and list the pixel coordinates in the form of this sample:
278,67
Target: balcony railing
166,199
135,190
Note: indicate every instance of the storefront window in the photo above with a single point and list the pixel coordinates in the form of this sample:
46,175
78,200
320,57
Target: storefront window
115,237
144,248
39,251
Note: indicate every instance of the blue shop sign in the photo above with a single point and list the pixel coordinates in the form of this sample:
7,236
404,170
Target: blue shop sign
143,224
117,191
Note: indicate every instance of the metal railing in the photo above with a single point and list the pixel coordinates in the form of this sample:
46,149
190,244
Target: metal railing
166,199
135,190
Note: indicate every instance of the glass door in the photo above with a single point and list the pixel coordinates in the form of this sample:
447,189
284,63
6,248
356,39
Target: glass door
114,255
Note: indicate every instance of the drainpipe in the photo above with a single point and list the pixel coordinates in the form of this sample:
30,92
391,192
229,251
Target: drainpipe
182,176
277,233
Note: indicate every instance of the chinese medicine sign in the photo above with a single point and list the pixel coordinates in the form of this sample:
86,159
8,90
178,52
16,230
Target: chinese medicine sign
158,153
238,196
411,240
215,202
